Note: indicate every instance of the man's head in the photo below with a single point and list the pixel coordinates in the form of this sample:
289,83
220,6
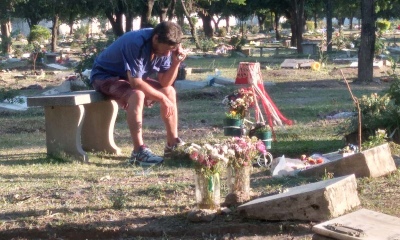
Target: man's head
166,37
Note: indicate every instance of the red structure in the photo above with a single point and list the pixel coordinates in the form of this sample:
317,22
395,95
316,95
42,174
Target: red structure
250,73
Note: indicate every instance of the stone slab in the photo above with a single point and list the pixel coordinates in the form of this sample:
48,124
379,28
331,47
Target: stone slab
296,63
290,63
374,162
376,64
66,99
375,225
318,201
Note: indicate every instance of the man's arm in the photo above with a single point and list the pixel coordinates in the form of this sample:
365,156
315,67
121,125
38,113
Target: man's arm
167,79
151,93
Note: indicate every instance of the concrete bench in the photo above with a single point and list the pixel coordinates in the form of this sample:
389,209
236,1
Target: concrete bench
77,122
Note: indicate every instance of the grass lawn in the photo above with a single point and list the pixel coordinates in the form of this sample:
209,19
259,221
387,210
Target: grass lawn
48,197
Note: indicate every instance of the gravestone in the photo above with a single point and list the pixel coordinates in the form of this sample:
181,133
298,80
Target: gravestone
311,202
309,48
362,224
373,162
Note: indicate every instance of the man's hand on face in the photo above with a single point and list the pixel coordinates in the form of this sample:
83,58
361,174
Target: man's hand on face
179,53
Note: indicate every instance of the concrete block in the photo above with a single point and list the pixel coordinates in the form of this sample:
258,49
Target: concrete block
290,63
311,202
362,224
374,162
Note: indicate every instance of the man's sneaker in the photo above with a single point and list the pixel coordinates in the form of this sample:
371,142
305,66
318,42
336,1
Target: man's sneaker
145,157
169,150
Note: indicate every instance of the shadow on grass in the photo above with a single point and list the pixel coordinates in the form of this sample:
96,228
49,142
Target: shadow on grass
163,227
29,158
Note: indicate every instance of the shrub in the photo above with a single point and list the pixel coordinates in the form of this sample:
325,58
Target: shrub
206,44
39,34
222,32
81,32
382,25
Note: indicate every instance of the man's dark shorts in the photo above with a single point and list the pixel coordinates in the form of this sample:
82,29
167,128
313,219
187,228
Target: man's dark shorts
119,89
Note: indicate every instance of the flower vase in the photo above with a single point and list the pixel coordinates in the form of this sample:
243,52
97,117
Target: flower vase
239,184
233,127
207,191
266,138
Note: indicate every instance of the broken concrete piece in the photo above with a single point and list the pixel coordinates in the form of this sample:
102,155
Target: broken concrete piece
364,224
311,202
373,162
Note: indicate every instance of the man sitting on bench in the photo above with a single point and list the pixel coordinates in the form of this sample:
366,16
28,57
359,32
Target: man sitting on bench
122,72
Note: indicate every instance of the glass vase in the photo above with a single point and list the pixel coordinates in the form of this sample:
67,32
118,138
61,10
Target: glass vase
207,191
238,179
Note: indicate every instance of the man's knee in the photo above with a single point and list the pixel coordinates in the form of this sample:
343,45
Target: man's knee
169,92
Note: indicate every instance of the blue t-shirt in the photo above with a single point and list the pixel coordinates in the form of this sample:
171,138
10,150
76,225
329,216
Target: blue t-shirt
131,51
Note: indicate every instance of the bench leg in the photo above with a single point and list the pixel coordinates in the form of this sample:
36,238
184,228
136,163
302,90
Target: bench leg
63,131
98,127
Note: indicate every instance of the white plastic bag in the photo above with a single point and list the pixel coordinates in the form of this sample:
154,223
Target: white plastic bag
284,168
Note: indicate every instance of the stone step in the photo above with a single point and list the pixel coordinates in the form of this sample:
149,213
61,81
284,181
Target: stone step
311,202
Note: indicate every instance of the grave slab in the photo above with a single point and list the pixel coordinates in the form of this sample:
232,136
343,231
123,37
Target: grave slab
367,224
318,201
296,63
373,162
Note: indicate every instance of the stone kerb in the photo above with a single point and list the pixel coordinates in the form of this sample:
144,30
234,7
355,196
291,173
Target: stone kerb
373,162
311,202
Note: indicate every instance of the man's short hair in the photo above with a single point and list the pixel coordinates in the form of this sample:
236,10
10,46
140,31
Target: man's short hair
168,32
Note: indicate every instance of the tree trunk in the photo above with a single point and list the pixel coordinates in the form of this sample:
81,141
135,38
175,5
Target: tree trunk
329,25
116,23
54,33
277,30
146,14
367,45
293,39
228,28
6,36
128,22
261,22
298,20
315,20
207,27
163,14
191,24
351,23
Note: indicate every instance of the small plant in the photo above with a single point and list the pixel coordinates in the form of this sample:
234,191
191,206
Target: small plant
262,128
378,139
327,175
9,95
233,115
118,199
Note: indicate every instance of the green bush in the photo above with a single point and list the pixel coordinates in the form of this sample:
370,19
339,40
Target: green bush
222,32
207,44
382,25
39,34
81,32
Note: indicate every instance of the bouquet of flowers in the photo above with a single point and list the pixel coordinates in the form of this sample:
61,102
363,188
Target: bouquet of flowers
243,150
240,101
209,159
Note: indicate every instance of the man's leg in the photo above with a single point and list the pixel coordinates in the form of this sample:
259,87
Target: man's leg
171,123
134,117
